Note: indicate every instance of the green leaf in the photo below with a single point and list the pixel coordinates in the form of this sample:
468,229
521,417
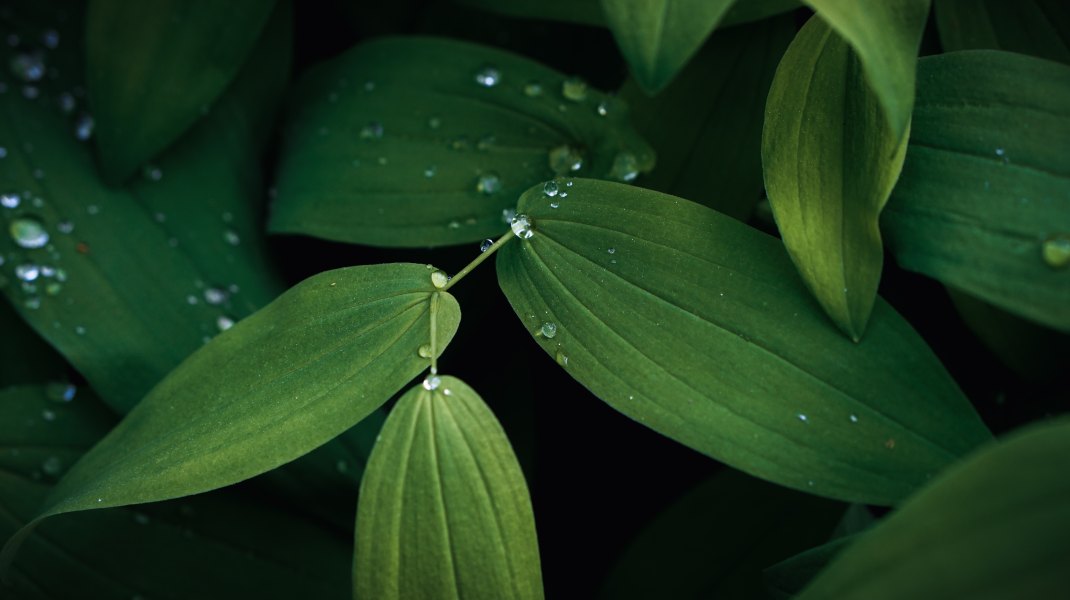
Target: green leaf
1039,28
657,37
1002,517
787,578
395,143
715,541
227,538
747,11
162,260
24,356
983,203
830,164
444,509
886,36
705,126
583,12
297,373
697,326
155,67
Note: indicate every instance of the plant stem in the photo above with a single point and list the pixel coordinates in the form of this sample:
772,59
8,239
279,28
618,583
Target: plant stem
482,257
434,337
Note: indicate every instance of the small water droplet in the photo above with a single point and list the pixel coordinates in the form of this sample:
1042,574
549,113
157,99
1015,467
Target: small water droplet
215,296
223,322
1056,251
28,66
523,227
48,414
611,250
50,38
83,127
602,109
65,227
625,167
231,237
574,89
3,152
10,200
432,383
561,358
485,143
550,188
488,76
488,183
58,391
802,418
430,171
92,210
548,330
27,271
28,232
66,103
853,418
424,351
439,279
52,466
532,89
369,86
564,159
485,245
434,122
372,131
152,173
508,214
78,329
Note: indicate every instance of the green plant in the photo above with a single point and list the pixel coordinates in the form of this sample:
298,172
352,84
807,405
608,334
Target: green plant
152,353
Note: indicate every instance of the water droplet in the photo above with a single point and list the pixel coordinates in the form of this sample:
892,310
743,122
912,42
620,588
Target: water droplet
28,232
3,152
434,122
523,226
508,214
548,330
561,358
1056,251
48,414
532,89
27,272
485,245
625,167
424,351
231,237
550,188
485,143
611,250
152,173
564,159
223,322
488,183
574,89
83,127
802,417
50,38
341,466
65,227
28,66
92,210
488,76
381,161
58,391
10,200
67,103
430,171
853,418
78,329
52,466
602,109
439,279
432,383
454,224
372,131
215,296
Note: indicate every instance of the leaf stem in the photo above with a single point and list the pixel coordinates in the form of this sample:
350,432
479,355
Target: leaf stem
482,257
434,331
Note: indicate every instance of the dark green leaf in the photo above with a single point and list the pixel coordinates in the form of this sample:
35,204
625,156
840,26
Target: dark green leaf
297,373
697,326
396,143
746,11
1036,27
444,509
24,356
584,12
715,541
706,126
886,36
983,203
228,542
995,526
787,578
830,164
154,68
657,37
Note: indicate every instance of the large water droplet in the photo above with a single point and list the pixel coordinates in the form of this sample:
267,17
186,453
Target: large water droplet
523,226
432,383
550,188
1056,251
488,183
488,76
10,200
27,272
625,167
424,351
561,358
28,232
548,330
439,279
28,66
564,159
574,89
372,131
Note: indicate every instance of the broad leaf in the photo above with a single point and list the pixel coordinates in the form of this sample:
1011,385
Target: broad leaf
154,68
830,164
300,371
1002,519
1036,27
715,541
226,540
696,325
425,142
444,509
983,203
706,126
657,37
886,35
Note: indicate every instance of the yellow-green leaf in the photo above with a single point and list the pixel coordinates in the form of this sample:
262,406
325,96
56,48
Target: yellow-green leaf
444,509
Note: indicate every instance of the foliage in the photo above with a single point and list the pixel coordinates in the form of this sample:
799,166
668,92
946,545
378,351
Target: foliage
224,323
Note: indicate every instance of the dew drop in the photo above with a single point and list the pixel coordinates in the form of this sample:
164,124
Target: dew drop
65,227
555,204
83,127
152,173
488,76
10,200
523,227
92,210
66,103
57,391
424,351
223,322
625,167
488,183
28,66
434,122
432,383
3,152
508,214
215,296
430,171
1056,251
602,109
78,329
27,272
439,279
853,418
372,131
48,414
52,466
548,330
561,358
550,188
231,237
28,232
611,250
802,418
485,143
574,89
564,159
50,38
485,245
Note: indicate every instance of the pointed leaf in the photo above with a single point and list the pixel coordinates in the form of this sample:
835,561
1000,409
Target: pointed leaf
657,37
226,538
287,379
696,325
444,509
154,67
706,126
995,526
1039,28
397,143
983,203
886,36
830,163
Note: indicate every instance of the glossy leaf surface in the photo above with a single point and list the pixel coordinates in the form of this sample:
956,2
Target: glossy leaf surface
1038,28
830,163
282,382
444,509
696,325
1002,518
983,203
424,142
155,67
